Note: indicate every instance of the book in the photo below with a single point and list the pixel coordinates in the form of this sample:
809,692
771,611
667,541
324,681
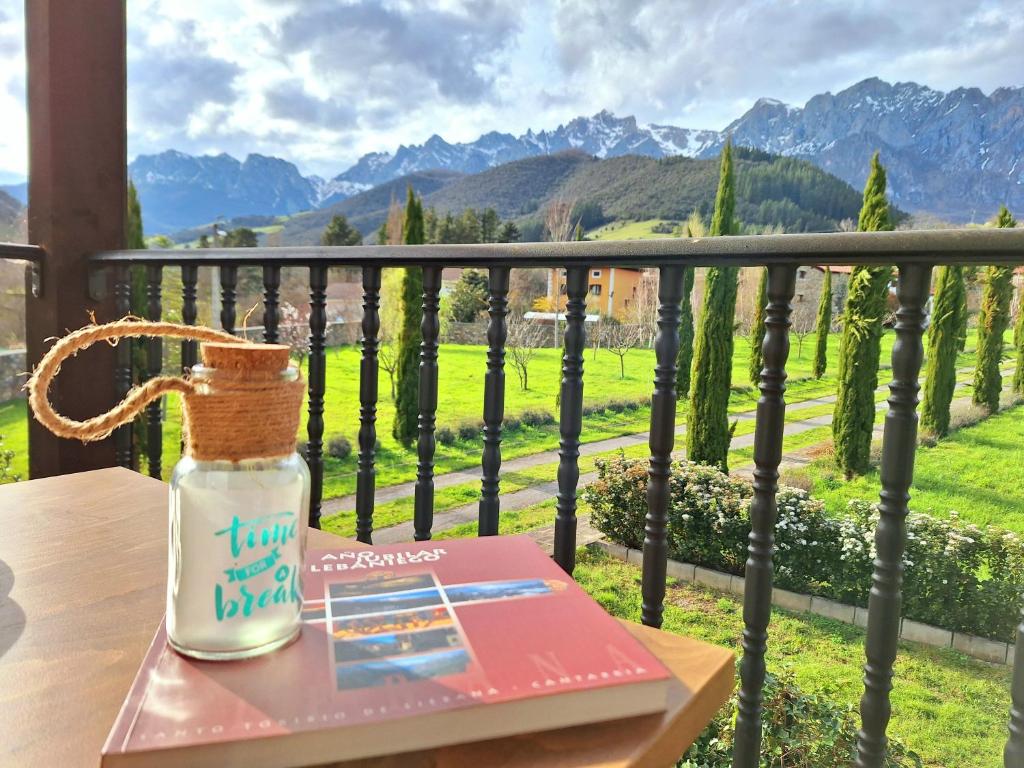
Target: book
402,648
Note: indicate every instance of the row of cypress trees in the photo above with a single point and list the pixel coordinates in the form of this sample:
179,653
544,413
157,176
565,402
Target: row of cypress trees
707,377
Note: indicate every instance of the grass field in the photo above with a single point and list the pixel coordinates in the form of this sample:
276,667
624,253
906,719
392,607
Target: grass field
629,230
461,400
974,471
950,709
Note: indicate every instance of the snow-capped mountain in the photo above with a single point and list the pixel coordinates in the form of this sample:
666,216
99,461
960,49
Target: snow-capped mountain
177,190
603,135
957,154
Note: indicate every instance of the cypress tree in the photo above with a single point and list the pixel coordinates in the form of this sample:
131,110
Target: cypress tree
1018,343
943,345
707,432
860,344
757,329
410,336
993,321
134,238
685,357
684,361
824,325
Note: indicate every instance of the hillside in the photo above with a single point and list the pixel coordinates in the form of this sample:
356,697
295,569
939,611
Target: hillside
11,219
366,210
770,190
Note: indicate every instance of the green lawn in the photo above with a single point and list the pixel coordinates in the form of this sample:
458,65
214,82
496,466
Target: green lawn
950,709
974,471
629,230
461,400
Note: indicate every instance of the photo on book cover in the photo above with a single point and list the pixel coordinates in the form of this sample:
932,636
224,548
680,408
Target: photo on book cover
388,630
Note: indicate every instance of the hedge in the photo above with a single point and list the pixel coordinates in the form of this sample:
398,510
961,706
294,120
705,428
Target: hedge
957,576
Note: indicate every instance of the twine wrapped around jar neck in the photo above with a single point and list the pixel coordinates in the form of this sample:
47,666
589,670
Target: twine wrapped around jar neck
243,404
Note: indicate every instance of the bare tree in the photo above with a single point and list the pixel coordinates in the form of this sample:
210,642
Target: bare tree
804,320
643,310
294,330
621,337
558,220
387,360
524,339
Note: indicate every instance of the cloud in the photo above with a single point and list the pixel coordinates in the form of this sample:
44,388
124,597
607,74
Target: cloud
380,51
289,100
170,80
679,59
320,82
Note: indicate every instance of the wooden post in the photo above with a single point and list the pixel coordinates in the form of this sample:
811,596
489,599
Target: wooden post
77,203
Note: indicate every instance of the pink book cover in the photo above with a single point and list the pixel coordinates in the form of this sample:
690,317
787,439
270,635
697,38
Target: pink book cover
390,633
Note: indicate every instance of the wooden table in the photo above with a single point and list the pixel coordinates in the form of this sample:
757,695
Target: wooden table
83,564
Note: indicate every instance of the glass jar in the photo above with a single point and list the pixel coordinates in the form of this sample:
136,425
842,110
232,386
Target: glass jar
237,541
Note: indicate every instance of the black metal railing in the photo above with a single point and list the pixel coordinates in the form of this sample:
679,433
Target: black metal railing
912,253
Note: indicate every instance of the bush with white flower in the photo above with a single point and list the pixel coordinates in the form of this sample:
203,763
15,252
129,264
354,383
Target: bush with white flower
956,575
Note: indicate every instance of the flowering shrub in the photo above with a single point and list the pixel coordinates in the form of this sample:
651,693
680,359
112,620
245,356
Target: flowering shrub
957,576
799,730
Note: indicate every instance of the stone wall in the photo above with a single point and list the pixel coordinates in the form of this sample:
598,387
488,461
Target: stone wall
13,367
465,333
338,333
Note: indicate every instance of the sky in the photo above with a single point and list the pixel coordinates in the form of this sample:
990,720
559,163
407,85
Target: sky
321,82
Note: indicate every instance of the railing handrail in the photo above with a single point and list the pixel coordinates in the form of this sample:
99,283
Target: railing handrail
21,252
946,246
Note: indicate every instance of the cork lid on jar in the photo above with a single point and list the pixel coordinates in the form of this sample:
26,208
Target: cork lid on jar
243,356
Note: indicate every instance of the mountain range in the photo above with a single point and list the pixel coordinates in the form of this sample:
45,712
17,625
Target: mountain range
956,155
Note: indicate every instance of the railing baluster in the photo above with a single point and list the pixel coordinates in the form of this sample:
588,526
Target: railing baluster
271,307
899,441
228,284
494,400
661,440
317,383
189,313
123,359
366,474
423,516
154,366
768,434
1013,754
570,418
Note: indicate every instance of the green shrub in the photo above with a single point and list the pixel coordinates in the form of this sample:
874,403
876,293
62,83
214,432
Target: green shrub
470,430
799,730
339,447
445,435
536,418
957,576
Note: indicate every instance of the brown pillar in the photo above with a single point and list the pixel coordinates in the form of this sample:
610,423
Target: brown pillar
77,187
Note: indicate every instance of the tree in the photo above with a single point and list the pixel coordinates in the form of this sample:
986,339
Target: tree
757,329
523,340
708,433
204,241
1018,343
993,321
340,232
694,227
386,359
509,233
489,222
803,322
294,330
619,338
860,345
823,326
240,237
558,221
469,297
410,337
943,342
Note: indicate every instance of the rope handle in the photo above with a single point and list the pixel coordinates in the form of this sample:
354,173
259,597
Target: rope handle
99,427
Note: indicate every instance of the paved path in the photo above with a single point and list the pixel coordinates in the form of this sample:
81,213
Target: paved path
546,491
